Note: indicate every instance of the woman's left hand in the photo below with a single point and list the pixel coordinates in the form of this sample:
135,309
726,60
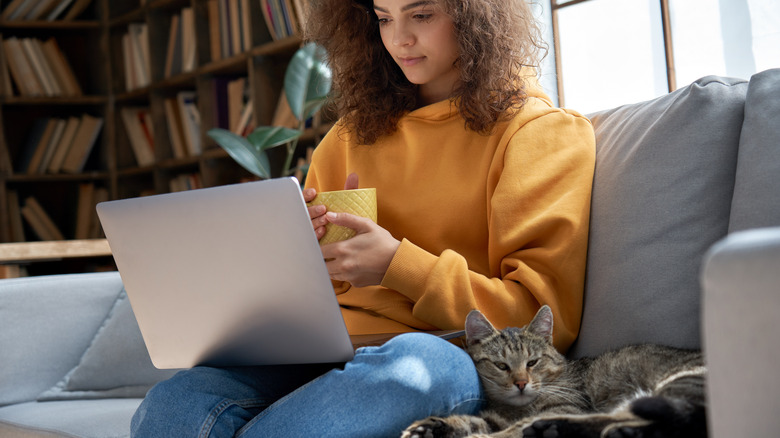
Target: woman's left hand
363,259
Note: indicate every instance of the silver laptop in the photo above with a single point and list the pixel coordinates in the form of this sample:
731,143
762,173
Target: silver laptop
230,275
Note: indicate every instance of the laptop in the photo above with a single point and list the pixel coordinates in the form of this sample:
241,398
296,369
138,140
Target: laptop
229,276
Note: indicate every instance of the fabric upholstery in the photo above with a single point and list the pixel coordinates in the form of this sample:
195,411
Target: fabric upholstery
109,418
740,278
46,324
116,364
661,196
756,202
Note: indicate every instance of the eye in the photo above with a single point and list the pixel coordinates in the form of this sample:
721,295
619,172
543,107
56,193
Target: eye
422,17
501,366
531,363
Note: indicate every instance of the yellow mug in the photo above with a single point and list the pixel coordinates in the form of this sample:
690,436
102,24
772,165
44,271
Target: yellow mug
360,202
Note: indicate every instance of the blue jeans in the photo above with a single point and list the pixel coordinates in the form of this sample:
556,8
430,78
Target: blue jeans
377,394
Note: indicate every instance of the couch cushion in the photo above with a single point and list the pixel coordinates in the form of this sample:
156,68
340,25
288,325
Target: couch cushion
661,196
46,323
108,418
757,188
116,364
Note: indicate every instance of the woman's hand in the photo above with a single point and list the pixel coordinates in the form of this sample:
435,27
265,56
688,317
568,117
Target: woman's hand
317,212
363,259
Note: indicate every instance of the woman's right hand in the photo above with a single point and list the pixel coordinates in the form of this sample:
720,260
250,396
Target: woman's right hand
316,213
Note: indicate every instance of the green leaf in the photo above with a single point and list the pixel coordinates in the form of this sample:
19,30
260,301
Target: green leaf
265,137
307,79
248,156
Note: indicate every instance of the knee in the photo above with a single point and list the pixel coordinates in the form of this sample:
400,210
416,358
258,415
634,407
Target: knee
436,369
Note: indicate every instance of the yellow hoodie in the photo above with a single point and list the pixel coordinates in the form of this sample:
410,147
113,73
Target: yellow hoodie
497,223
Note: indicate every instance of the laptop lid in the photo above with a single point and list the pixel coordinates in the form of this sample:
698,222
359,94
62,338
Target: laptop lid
227,276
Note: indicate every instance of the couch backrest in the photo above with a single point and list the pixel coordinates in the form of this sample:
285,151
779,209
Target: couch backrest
662,196
756,200
46,324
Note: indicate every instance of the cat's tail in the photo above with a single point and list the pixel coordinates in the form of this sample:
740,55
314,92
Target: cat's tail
673,417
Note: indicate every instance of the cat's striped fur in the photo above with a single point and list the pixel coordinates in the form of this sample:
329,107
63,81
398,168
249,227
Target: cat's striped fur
646,391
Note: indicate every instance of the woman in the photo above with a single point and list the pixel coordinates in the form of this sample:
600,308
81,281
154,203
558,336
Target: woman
483,194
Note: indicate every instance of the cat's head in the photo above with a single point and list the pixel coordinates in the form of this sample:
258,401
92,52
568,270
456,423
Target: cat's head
514,364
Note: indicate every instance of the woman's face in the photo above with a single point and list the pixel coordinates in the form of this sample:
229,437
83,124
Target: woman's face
420,37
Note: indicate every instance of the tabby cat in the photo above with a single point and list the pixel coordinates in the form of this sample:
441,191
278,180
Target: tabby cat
532,390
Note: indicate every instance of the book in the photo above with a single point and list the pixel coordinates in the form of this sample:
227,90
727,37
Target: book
58,10
84,206
83,141
215,42
95,230
78,7
224,29
40,148
175,129
31,143
15,217
64,144
18,10
190,120
235,26
246,25
174,50
140,143
40,66
42,8
11,8
22,71
66,77
237,90
137,45
188,40
41,223
51,148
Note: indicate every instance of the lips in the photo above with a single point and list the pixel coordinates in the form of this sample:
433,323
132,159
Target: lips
410,61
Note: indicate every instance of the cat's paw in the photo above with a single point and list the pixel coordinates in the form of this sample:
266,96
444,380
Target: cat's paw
558,428
431,427
624,432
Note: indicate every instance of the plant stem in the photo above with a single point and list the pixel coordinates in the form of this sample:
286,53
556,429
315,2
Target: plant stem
291,147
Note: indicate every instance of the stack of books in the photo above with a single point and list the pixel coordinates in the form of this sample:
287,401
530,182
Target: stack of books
39,68
48,10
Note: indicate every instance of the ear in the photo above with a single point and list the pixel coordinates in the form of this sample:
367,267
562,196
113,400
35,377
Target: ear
478,328
542,324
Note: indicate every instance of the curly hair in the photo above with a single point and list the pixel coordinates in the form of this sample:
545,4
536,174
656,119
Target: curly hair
496,40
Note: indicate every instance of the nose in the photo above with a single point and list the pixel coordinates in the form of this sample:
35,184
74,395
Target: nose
520,384
402,36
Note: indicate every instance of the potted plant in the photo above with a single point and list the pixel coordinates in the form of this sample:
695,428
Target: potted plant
307,82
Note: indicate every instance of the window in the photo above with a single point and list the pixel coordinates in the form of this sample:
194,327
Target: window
605,53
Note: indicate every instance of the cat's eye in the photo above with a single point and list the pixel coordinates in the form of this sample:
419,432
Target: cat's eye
531,363
501,366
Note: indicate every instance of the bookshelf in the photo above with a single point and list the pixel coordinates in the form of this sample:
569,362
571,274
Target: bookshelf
150,98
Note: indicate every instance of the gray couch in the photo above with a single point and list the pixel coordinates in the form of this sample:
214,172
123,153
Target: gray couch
685,181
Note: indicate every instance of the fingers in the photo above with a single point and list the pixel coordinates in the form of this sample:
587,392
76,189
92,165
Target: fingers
352,181
357,223
309,194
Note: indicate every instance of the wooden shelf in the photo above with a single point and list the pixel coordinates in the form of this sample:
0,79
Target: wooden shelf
22,252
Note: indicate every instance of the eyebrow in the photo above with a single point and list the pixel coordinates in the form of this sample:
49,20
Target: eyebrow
407,7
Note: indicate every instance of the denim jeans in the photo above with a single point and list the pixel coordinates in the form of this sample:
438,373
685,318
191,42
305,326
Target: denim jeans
377,394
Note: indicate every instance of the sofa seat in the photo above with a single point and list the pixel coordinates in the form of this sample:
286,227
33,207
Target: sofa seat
106,418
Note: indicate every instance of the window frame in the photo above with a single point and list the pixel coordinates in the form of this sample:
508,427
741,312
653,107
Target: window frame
556,5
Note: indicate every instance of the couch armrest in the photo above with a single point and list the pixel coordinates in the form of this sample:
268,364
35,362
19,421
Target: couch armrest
741,304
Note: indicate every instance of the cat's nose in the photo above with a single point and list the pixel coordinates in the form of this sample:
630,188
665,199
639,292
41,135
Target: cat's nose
521,384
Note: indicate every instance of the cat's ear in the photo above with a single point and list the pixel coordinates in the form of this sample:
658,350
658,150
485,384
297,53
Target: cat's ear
478,328
542,324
